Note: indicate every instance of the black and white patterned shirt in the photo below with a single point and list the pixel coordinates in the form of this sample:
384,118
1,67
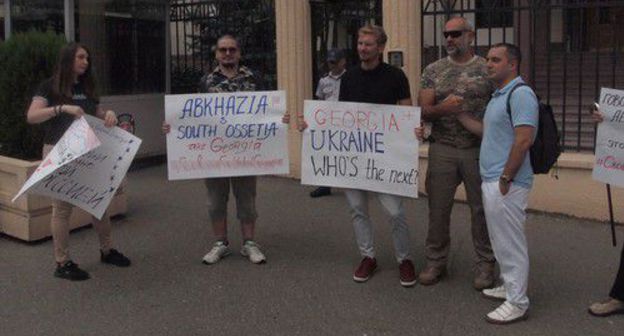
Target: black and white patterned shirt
216,81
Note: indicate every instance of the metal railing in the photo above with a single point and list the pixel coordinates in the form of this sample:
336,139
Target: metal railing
197,24
335,25
571,48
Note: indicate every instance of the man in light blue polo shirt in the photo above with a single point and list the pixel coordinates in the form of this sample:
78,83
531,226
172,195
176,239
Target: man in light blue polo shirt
507,177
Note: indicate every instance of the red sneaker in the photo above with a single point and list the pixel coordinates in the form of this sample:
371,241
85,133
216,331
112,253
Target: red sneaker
365,270
407,274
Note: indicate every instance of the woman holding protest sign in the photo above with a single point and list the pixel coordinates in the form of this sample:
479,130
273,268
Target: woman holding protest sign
68,95
615,303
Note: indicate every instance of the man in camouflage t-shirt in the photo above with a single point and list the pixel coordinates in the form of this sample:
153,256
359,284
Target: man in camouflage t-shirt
455,84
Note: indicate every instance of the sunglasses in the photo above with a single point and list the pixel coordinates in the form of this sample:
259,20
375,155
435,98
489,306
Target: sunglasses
453,33
225,50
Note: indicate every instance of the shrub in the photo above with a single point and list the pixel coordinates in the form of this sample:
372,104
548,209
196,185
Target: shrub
26,59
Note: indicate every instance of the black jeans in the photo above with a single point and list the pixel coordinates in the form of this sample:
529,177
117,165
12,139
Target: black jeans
617,291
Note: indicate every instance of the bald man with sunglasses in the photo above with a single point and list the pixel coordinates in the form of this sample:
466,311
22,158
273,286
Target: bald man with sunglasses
452,85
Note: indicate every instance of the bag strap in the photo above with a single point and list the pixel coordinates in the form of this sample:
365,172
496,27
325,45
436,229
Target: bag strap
509,99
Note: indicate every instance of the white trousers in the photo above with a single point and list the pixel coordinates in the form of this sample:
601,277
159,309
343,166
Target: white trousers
505,217
363,227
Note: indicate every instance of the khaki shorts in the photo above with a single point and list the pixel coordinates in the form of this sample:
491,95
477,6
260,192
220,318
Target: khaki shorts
244,189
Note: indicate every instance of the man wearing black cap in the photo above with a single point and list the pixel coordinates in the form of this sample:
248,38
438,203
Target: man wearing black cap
329,89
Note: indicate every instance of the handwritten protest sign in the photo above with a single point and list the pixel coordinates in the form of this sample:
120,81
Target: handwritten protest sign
86,166
78,140
226,134
609,164
361,146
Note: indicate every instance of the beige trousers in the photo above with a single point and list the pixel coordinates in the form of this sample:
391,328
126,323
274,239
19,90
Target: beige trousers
61,212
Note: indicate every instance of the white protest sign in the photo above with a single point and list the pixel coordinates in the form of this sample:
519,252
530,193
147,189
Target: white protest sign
86,166
361,146
609,164
226,134
77,141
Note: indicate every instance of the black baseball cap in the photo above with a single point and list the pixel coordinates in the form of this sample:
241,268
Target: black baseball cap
335,55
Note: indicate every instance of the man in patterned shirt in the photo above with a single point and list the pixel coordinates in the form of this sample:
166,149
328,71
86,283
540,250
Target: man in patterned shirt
455,84
230,76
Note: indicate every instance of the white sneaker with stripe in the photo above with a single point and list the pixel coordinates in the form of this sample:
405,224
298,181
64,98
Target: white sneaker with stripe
252,251
218,251
507,313
496,293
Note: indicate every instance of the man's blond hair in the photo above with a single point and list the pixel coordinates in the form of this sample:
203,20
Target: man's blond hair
377,31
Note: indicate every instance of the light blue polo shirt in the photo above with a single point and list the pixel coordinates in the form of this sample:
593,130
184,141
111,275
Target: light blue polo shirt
498,133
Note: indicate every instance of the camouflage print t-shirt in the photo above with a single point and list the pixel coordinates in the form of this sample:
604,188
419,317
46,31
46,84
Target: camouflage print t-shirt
216,82
468,81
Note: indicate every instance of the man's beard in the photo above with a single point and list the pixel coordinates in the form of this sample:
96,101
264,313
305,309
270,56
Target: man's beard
456,50
453,50
367,57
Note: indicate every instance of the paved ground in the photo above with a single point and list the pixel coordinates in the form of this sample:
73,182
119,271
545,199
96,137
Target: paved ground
304,289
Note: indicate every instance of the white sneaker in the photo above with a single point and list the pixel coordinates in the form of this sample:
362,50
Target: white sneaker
496,293
507,313
252,251
218,251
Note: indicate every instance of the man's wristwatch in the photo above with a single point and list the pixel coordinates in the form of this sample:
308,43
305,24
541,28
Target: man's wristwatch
505,179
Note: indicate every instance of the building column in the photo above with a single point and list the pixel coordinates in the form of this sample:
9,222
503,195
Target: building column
168,47
7,19
402,22
294,66
68,15
92,29
523,27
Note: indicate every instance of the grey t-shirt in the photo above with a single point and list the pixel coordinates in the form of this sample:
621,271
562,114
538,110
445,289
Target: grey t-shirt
55,127
329,87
